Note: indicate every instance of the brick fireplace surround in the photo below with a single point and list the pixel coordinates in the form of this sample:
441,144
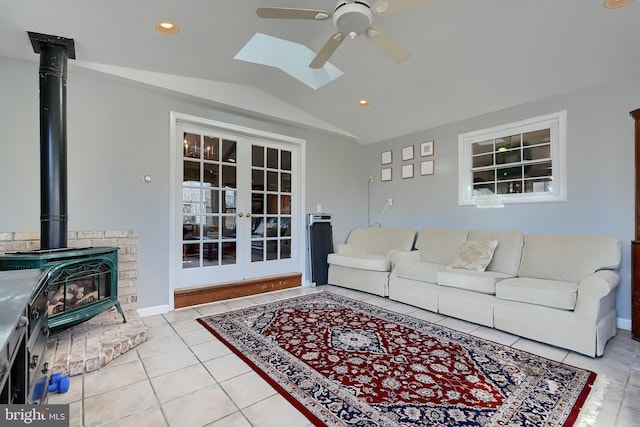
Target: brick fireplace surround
91,345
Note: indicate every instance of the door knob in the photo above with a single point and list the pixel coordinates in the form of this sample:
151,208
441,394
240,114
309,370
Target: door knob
240,214
248,214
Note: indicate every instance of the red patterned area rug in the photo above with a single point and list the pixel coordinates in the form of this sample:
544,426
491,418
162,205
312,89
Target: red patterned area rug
345,362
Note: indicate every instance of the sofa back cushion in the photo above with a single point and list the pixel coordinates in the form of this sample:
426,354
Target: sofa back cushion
568,257
440,245
506,257
379,240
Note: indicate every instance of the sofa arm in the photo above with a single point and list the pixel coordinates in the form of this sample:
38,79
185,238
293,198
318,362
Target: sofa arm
343,249
396,256
593,289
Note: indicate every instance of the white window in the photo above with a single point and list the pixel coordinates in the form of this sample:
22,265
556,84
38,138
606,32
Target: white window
520,162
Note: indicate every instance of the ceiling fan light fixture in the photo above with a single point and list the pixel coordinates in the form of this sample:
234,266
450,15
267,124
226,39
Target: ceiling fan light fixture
363,102
167,27
352,18
614,4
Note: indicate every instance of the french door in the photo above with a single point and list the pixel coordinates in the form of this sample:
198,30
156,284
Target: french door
238,207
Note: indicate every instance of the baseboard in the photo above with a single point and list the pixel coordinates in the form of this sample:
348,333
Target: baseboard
152,311
201,295
623,323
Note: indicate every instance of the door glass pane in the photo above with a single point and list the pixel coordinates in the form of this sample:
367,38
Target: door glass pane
271,194
211,148
228,151
211,174
272,158
191,172
285,162
257,155
285,183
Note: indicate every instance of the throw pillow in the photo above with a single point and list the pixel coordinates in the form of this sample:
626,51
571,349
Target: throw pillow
474,255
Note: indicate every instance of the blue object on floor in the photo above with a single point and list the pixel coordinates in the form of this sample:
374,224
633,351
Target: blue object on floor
58,383
38,389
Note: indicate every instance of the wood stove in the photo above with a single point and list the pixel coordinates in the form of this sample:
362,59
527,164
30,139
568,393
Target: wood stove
81,282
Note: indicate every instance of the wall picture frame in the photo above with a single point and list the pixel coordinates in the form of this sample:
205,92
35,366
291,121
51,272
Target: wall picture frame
407,171
426,148
386,175
407,153
386,158
427,167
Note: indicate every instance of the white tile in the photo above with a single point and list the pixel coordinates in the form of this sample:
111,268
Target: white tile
540,349
186,326
429,316
181,314
75,414
115,404
197,336
168,362
237,303
213,308
151,417
210,350
237,419
225,367
156,320
161,331
247,389
199,408
182,382
399,307
275,411
153,347
113,377
494,335
458,325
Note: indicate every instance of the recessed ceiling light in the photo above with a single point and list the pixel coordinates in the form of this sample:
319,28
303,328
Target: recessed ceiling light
363,102
166,27
614,4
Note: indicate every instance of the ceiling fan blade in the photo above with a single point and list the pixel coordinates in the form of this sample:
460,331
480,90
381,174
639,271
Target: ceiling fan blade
387,7
387,45
327,50
290,13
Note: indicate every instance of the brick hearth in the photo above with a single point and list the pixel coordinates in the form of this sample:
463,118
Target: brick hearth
96,342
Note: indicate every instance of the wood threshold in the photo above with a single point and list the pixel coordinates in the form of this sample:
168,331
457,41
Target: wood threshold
204,294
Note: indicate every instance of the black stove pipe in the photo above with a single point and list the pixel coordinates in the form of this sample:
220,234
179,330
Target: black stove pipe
54,52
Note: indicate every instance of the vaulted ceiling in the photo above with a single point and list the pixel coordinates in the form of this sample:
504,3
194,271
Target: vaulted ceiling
469,57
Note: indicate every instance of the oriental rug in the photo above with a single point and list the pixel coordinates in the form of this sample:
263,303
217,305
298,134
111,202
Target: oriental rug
345,362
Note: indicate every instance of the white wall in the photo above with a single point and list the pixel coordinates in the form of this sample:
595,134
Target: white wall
600,162
118,131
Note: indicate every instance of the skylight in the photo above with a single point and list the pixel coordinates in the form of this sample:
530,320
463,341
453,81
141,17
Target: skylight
292,58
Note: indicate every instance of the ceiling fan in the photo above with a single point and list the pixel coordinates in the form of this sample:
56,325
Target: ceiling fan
351,18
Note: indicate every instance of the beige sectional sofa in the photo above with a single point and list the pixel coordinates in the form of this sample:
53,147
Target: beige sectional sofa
363,262
554,288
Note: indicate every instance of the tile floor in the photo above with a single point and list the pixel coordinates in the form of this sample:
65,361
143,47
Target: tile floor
183,376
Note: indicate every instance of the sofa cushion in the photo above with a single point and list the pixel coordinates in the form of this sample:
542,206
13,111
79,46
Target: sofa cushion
420,271
568,257
507,255
549,293
361,261
380,240
474,255
483,282
439,245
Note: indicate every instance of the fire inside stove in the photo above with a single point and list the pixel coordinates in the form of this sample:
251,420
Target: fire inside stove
79,284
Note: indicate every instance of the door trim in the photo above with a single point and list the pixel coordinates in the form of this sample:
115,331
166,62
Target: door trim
175,237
